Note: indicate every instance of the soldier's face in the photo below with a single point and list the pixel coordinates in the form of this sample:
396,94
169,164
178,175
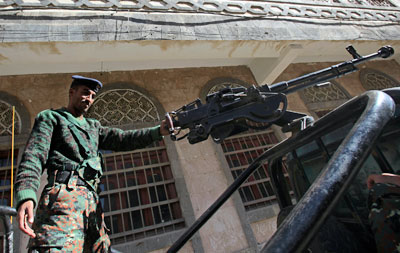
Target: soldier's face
81,98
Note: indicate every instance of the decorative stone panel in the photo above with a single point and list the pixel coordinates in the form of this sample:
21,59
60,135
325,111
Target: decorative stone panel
322,99
6,120
329,92
376,80
123,106
331,9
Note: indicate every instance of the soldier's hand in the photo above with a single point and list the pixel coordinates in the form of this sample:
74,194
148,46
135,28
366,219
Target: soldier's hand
164,128
25,216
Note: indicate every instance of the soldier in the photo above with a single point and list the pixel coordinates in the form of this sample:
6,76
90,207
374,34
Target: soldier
69,216
384,216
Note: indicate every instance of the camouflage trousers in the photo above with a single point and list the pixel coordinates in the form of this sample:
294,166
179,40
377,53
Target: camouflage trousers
384,216
69,220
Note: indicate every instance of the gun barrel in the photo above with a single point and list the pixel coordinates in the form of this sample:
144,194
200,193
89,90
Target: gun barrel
327,74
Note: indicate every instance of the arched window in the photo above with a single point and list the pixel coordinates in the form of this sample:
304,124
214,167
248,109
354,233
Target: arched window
6,124
21,116
375,80
138,189
21,127
321,99
240,150
6,120
123,106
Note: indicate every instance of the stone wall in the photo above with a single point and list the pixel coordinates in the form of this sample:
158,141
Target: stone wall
172,88
351,83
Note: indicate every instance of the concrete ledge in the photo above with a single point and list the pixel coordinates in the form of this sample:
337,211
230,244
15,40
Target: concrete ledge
78,26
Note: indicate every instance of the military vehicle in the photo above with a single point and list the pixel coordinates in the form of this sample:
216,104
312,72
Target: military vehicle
328,170
324,205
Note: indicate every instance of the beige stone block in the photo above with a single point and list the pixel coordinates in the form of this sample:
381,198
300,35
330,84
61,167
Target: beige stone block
263,230
204,188
295,103
223,232
202,200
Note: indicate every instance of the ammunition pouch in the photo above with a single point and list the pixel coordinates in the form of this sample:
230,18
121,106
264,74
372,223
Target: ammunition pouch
88,174
64,176
91,171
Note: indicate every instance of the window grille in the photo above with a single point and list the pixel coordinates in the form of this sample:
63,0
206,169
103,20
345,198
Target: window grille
322,99
376,80
328,92
138,195
123,106
240,150
5,185
6,120
5,175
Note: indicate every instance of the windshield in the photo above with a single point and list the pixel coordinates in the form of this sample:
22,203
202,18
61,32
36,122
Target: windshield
306,163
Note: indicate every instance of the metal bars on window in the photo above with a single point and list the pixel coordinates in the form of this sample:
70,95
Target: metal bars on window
5,176
240,151
372,79
5,185
123,106
6,120
139,195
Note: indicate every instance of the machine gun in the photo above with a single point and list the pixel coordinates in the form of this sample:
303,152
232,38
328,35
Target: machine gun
228,111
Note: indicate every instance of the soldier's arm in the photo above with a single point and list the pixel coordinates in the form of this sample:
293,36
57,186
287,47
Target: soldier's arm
118,140
34,158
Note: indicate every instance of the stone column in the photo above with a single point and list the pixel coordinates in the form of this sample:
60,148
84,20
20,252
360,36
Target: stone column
205,180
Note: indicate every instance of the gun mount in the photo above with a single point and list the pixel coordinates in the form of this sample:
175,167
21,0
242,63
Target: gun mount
229,111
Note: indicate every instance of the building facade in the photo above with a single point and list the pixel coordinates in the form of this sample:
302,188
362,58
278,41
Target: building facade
154,57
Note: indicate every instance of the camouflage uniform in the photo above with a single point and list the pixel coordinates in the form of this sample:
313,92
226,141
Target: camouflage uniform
384,216
68,217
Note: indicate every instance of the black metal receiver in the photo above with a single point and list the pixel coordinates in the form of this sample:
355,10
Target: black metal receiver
228,111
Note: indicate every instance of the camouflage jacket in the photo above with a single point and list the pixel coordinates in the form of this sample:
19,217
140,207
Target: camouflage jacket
53,142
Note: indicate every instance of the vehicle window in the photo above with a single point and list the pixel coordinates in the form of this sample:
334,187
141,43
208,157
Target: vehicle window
310,159
390,147
357,193
335,137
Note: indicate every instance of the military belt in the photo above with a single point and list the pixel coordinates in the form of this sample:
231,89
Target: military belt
64,176
69,167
